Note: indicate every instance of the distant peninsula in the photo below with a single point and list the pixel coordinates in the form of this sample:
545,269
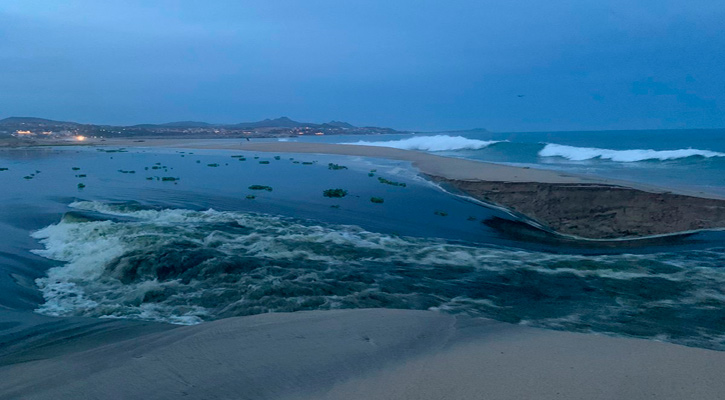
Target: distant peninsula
30,128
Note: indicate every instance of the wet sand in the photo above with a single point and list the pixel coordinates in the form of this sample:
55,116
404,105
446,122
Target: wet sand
367,354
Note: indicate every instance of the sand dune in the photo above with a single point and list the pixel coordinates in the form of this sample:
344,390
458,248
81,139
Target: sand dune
369,354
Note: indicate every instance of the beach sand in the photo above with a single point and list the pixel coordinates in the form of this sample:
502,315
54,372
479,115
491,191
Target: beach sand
369,354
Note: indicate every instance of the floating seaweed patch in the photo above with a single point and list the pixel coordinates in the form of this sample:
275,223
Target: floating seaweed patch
377,200
334,166
440,213
392,183
334,193
123,171
28,177
76,168
81,176
169,179
264,162
277,157
251,197
261,187
4,169
212,165
81,186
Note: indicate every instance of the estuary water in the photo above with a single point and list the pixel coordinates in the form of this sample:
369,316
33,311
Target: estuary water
183,237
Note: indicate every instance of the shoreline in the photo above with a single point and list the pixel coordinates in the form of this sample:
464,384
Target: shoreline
364,354
573,206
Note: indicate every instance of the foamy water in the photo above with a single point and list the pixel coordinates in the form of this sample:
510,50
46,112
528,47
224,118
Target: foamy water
587,153
184,266
432,143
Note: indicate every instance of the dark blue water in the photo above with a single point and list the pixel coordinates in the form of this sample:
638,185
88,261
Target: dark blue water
129,244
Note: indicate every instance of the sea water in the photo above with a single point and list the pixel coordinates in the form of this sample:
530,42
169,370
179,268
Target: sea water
691,160
202,246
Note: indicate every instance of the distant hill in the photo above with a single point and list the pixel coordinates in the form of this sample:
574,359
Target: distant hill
31,128
339,124
281,122
33,121
188,124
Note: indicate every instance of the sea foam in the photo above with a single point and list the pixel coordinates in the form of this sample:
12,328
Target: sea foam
432,143
587,153
185,267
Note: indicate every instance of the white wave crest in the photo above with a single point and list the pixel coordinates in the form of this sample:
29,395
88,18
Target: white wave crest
432,143
587,153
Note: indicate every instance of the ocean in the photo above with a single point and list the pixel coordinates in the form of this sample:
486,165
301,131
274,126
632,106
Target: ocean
692,160
183,236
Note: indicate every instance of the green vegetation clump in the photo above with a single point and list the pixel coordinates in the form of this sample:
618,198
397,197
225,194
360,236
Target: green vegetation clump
169,179
334,193
81,186
198,162
295,162
377,200
441,213
242,159
126,172
371,174
4,169
264,162
387,182
335,166
238,156
251,197
277,157
373,170
28,177
212,165
335,206
307,163
81,176
261,187
149,178
76,168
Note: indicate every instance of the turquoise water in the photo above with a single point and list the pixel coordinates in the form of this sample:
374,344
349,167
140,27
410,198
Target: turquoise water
132,245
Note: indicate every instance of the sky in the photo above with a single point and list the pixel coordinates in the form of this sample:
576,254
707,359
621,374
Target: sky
507,65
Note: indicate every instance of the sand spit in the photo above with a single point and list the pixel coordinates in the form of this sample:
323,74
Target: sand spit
369,354
581,206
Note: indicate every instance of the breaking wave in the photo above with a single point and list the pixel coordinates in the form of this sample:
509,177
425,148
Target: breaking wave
432,143
587,153
184,266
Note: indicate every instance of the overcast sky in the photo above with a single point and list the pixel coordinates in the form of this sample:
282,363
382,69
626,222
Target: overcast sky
417,64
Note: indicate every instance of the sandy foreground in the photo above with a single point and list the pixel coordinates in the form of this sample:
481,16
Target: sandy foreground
366,354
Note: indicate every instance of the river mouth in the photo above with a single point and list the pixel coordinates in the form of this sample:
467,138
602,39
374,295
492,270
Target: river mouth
197,249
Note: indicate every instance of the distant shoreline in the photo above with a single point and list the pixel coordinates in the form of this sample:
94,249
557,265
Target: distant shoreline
579,206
